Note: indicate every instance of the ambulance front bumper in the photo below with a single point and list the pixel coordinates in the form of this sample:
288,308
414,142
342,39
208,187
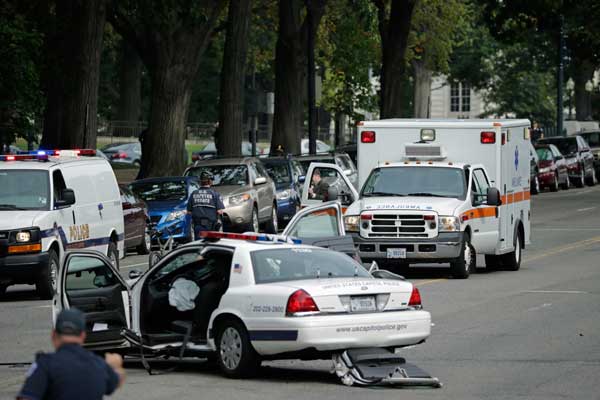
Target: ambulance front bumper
443,248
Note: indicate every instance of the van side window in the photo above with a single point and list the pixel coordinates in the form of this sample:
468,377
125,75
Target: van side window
58,184
482,183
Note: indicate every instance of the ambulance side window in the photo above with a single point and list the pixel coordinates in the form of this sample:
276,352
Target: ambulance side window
58,184
482,185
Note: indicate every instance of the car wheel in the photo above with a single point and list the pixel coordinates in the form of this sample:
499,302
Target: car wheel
581,179
47,281
191,235
137,164
3,290
492,262
113,254
273,224
512,260
254,224
235,355
554,186
535,187
592,179
567,184
153,259
465,263
146,245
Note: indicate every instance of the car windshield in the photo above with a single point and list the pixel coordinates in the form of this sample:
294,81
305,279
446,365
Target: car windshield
223,174
279,172
416,181
291,264
161,190
545,154
24,190
306,163
565,145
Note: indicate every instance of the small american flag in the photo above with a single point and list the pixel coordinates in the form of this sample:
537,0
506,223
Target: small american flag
237,268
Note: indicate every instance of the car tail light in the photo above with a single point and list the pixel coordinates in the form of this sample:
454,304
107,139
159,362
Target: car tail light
488,137
415,299
119,155
367,137
300,302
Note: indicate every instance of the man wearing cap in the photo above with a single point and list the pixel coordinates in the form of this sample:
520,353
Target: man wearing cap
72,372
205,205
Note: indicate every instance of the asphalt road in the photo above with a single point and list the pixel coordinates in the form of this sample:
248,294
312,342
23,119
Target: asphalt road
531,334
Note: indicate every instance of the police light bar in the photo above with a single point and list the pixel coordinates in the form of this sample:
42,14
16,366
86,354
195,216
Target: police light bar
250,237
22,157
72,152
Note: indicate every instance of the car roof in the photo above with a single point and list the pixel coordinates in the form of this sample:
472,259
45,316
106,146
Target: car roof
165,179
223,161
251,245
423,164
318,156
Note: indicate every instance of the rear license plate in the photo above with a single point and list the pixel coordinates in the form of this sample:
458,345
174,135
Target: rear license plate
362,304
396,253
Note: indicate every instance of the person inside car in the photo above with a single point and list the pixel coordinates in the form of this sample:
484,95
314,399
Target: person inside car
319,189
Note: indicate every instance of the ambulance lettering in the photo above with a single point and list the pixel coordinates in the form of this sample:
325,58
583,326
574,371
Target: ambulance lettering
79,232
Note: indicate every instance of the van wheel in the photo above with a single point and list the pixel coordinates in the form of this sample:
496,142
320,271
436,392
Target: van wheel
235,355
47,281
492,262
272,224
512,260
113,254
465,263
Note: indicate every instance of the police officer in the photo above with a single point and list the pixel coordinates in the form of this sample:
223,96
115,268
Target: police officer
205,205
72,372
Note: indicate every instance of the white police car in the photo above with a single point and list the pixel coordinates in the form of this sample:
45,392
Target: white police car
243,298
50,203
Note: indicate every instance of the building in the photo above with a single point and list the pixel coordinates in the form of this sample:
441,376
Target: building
454,100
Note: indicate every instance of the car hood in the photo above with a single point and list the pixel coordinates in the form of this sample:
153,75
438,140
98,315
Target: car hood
15,219
231,190
442,206
164,206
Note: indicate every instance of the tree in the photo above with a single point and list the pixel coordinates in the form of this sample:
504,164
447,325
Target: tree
394,18
130,84
170,37
290,67
231,103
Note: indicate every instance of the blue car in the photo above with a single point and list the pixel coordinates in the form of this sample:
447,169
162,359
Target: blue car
288,175
167,204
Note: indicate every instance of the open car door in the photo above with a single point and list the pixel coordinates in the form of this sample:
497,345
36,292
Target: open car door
322,225
89,282
327,182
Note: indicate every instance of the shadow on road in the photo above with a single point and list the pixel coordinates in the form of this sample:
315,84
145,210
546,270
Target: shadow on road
21,293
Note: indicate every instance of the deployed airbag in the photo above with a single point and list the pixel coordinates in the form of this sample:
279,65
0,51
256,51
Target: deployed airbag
182,294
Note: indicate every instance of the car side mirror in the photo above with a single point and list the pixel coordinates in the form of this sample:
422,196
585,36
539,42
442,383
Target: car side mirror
493,197
135,273
260,181
301,179
67,198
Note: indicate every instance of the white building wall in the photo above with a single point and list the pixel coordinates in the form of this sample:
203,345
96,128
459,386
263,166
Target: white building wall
440,101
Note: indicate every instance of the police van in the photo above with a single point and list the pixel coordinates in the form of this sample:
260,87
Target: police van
440,191
51,202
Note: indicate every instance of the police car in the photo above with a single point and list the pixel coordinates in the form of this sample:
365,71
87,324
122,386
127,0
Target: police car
51,202
243,298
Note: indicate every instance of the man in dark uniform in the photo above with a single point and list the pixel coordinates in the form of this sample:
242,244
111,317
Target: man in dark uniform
319,189
72,372
205,205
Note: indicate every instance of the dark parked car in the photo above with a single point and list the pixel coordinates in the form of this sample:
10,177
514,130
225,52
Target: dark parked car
582,171
342,160
136,218
125,153
350,149
286,173
553,172
210,151
534,181
593,140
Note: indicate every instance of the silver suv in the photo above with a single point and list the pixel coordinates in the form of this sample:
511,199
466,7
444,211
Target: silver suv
247,190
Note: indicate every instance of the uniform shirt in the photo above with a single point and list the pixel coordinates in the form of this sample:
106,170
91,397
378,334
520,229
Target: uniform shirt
204,204
321,190
69,374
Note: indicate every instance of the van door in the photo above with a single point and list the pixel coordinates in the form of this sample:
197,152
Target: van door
485,225
89,282
323,180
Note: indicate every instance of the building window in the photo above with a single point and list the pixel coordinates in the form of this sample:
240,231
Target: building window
465,97
460,97
454,97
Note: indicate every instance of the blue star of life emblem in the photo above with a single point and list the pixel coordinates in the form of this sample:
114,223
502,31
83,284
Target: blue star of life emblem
516,158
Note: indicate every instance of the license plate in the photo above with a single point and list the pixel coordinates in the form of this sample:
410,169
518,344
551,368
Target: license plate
362,304
396,253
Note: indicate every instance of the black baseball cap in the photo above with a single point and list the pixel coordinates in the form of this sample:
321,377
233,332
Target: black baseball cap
70,322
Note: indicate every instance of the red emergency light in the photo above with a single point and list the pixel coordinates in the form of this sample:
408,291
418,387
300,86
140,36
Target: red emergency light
75,152
367,137
249,237
22,157
488,137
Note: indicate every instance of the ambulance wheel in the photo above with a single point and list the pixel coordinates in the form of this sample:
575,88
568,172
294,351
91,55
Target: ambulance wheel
554,186
113,254
492,262
461,267
235,355
272,224
46,284
145,246
512,260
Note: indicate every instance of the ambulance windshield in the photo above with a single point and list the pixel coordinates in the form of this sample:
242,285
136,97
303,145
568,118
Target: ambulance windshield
416,181
24,190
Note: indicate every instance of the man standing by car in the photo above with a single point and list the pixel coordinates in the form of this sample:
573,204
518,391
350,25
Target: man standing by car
72,372
319,189
205,205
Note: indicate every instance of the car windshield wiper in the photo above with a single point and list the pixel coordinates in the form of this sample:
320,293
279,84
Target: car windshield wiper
425,194
10,207
383,194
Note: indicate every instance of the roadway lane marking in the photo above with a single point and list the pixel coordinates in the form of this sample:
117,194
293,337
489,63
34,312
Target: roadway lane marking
556,291
558,250
430,281
586,209
545,305
135,265
566,229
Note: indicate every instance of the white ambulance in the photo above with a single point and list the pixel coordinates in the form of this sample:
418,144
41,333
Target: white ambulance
53,202
438,191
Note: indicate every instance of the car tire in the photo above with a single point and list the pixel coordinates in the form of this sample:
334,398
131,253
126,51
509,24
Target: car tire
113,254
592,179
512,260
273,224
567,184
137,164
581,179
146,245
3,290
153,259
47,281
535,187
493,262
554,185
461,267
254,222
235,355
191,236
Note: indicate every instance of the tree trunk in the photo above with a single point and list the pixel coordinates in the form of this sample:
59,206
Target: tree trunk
584,72
130,84
422,89
233,74
394,30
290,70
340,128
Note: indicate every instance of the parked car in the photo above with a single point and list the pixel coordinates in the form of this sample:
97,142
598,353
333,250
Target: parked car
342,160
167,204
210,151
322,147
593,140
126,153
287,174
247,190
576,147
136,218
553,171
534,182
350,149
